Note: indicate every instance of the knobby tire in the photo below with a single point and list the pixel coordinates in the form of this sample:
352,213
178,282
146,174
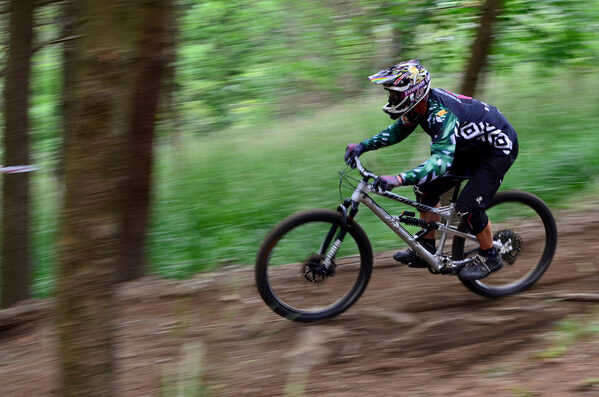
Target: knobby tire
550,230
295,222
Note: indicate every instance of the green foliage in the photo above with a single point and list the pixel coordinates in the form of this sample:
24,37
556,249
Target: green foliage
243,60
221,67
219,195
522,392
567,331
591,382
242,63
223,193
555,131
557,32
46,82
238,58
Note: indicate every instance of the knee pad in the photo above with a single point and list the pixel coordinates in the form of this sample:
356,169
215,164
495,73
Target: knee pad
475,217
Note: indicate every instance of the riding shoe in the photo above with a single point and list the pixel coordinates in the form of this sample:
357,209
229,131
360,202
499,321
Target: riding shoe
411,258
481,267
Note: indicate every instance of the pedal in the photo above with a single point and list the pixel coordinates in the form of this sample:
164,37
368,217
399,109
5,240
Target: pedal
418,264
414,262
449,271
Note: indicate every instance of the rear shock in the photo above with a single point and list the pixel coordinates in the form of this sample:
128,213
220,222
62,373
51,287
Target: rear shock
409,219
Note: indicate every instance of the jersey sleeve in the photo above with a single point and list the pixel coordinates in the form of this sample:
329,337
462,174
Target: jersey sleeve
393,134
443,145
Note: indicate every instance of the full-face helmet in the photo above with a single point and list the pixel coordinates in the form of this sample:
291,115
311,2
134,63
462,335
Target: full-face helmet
407,83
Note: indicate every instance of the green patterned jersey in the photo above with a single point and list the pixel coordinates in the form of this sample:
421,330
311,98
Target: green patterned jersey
456,124
442,144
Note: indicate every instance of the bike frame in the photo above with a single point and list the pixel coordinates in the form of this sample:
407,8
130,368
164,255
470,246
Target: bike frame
437,261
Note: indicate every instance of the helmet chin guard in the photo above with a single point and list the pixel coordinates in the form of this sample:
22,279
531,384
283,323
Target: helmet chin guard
407,82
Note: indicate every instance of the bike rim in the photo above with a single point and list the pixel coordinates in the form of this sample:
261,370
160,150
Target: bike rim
295,275
525,238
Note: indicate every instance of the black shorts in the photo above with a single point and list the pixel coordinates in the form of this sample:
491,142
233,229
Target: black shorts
485,173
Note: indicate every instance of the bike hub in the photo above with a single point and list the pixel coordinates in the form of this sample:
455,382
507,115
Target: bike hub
315,271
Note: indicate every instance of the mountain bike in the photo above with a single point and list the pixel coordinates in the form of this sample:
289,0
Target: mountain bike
315,264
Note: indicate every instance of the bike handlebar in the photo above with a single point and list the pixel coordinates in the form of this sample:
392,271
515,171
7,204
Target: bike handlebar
363,171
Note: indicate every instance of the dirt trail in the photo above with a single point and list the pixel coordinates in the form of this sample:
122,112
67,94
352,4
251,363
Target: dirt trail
411,334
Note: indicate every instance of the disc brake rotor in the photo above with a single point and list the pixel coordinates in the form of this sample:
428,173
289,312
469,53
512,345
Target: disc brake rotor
315,271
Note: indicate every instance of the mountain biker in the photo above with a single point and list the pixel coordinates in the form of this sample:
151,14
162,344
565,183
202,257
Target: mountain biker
468,137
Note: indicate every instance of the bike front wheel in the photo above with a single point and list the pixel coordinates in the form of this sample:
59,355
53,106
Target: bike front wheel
293,275
527,230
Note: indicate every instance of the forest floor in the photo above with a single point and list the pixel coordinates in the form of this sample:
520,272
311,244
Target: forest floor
411,334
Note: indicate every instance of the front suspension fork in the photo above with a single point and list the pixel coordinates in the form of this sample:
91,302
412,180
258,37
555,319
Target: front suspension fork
340,235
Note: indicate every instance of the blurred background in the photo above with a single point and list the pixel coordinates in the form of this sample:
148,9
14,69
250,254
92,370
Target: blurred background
260,98
172,135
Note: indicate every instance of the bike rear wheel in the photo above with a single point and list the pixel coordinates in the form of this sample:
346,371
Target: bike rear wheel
291,274
525,225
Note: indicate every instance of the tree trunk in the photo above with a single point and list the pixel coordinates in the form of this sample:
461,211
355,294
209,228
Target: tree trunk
91,219
16,273
152,60
481,47
70,25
